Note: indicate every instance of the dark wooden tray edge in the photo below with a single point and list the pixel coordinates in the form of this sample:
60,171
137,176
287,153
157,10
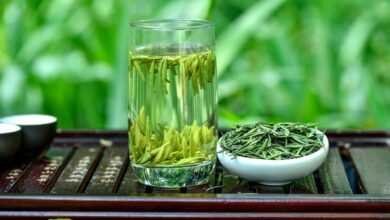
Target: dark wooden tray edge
216,203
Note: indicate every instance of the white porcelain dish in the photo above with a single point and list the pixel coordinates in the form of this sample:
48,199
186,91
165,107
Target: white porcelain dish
273,172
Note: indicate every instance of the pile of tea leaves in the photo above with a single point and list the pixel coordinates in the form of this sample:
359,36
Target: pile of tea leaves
279,141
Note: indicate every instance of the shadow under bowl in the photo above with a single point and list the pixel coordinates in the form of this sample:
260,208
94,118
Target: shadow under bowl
10,142
38,132
273,172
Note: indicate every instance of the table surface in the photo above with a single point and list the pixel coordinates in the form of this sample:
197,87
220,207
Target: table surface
86,174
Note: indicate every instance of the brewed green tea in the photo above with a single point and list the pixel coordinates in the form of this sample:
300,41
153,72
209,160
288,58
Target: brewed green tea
172,118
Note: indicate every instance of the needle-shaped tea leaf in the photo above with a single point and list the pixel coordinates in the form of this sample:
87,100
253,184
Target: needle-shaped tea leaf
272,141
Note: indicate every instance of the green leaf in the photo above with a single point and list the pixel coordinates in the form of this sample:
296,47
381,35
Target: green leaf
356,38
323,71
12,84
117,100
233,38
185,9
13,23
354,78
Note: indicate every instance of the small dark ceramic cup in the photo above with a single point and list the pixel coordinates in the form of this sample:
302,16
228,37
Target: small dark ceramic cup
37,132
10,142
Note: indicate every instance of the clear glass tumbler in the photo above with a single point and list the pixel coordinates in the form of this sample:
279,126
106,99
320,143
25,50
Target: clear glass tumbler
172,102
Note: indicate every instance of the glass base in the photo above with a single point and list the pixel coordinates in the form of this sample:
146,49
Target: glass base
174,177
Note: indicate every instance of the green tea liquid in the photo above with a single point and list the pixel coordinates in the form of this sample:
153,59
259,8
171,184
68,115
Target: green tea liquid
172,114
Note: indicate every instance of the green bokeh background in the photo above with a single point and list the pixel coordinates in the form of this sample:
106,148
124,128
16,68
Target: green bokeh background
323,61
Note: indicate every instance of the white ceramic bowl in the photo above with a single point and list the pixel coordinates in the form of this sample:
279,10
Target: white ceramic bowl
273,172
37,132
10,138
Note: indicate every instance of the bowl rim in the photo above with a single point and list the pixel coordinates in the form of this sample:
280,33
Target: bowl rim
315,154
9,128
18,119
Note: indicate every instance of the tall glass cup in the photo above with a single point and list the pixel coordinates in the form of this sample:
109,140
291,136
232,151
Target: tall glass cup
172,102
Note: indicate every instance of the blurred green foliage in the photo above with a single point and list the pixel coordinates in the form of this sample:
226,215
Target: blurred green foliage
324,61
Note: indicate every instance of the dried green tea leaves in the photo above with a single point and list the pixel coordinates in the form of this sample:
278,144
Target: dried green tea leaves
278,141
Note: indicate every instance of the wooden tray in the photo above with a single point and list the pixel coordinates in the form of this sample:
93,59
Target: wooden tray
86,174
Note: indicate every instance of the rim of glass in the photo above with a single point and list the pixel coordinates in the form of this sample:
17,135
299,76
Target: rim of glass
171,24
